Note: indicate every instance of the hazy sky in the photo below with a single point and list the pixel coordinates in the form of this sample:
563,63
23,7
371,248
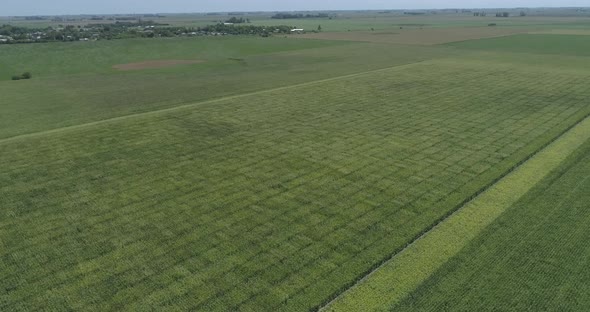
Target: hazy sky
54,7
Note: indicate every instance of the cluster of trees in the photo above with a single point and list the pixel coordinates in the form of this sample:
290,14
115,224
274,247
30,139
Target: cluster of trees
264,31
235,20
124,30
15,32
499,14
299,15
36,18
116,30
26,75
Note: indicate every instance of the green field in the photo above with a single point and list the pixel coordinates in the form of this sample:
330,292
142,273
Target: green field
72,90
409,269
532,258
278,172
98,57
563,45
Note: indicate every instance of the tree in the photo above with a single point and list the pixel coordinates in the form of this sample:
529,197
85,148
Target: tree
26,75
235,20
319,27
522,13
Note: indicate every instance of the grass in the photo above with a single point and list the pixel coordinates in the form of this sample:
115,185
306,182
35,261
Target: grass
272,176
392,22
278,204
531,258
414,36
566,45
417,265
80,93
57,59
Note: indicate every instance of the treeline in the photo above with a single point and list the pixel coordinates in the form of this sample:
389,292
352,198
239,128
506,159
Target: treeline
118,30
36,18
125,30
507,14
499,14
299,15
14,31
244,29
235,20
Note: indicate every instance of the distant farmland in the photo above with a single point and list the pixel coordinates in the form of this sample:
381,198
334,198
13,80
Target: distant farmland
274,174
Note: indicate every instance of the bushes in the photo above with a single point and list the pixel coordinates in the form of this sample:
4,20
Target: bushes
25,75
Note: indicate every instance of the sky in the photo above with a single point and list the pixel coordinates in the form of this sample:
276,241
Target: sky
62,7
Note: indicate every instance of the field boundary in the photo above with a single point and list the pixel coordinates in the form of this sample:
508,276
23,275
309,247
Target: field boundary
397,276
194,104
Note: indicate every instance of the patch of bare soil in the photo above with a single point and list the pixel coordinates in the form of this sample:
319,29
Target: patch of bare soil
154,64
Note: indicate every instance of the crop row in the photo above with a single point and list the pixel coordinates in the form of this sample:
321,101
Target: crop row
275,200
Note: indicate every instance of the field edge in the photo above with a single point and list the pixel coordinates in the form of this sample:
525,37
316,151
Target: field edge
364,294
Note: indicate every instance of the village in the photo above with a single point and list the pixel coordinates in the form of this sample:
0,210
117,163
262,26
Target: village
125,30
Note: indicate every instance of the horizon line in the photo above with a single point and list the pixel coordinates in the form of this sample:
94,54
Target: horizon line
303,10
